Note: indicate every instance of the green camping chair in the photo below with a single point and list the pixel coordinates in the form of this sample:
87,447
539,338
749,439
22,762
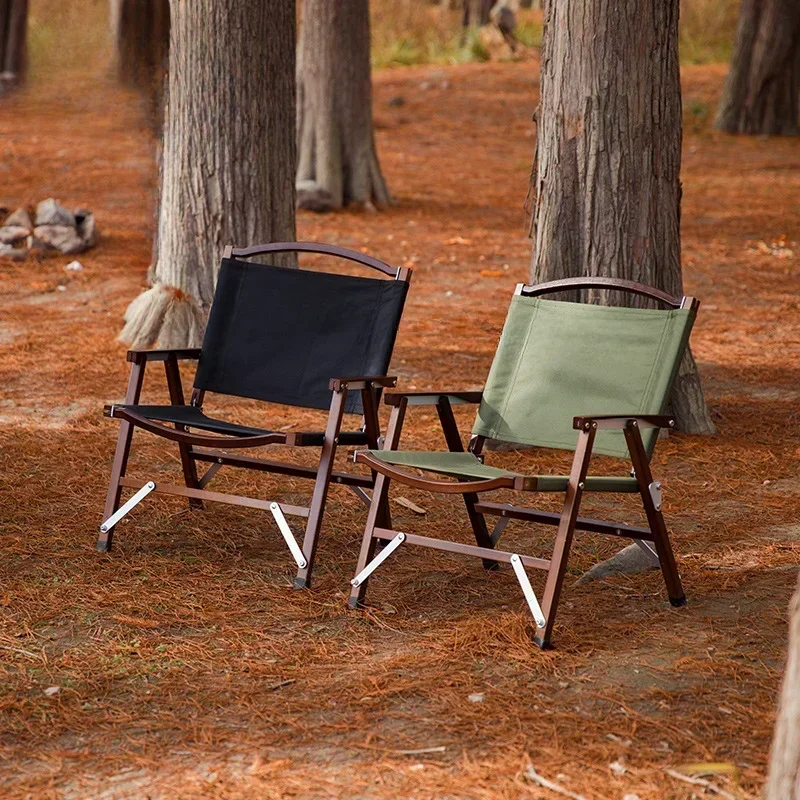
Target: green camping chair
572,376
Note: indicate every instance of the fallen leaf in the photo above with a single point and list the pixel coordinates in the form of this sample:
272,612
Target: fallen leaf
708,768
458,240
406,503
492,273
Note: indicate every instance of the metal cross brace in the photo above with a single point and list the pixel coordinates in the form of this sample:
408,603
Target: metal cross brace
123,510
527,590
288,537
378,560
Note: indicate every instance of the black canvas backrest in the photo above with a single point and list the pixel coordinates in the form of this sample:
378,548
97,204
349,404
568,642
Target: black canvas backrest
280,334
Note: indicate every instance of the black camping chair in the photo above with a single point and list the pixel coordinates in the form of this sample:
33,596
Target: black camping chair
281,335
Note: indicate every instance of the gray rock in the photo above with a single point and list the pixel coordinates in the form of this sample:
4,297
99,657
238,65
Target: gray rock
627,561
49,212
312,197
86,227
9,234
63,238
20,219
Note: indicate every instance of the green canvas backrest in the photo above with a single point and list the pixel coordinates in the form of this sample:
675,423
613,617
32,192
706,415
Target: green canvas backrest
558,360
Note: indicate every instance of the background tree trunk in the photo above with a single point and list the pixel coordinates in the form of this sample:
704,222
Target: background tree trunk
476,13
762,91
606,177
13,41
227,174
783,781
334,104
141,34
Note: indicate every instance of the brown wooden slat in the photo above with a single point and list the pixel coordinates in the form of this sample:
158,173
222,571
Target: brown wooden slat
550,518
463,549
217,497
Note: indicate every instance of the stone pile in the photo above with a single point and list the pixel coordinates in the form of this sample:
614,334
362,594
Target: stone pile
53,228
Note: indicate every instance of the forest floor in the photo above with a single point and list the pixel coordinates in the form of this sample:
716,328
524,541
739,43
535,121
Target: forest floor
182,664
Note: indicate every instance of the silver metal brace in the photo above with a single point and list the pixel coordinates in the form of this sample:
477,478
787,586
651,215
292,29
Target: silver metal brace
649,551
655,493
361,495
288,537
378,560
527,590
123,510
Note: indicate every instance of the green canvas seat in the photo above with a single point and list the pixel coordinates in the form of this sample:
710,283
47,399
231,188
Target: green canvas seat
590,379
469,466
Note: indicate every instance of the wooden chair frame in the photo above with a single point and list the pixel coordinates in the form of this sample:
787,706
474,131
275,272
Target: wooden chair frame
197,448
567,522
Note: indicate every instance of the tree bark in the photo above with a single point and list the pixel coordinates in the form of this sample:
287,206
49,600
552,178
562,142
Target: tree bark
762,90
227,174
334,104
13,40
141,33
476,13
783,781
606,177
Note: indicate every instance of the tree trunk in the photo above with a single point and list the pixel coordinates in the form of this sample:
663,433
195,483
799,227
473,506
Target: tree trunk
141,33
476,13
334,104
762,91
606,176
13,41
227,174
783,781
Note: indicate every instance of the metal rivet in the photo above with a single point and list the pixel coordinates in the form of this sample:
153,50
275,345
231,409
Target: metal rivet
672,423
594,424
635,424
586,426
580,485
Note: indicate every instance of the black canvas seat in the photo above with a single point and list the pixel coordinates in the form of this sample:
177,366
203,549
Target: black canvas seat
296,337
193,417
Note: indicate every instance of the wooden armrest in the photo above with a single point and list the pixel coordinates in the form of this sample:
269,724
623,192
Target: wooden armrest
619,422
362,382
432,398
142,356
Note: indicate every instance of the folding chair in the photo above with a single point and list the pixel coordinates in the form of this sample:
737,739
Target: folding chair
572,376
290,336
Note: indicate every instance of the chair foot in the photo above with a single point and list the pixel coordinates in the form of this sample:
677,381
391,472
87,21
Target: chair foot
301,583
678,602
354,604
542,644
103,547
490,566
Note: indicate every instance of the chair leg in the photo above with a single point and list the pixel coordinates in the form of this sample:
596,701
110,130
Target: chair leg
655,518
321,485
566,530
379,501
479,528
120,463
453,439
188,463
379,507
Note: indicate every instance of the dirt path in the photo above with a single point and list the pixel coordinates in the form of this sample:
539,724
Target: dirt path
186,666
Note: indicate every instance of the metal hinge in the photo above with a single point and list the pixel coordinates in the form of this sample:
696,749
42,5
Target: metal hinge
655,493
